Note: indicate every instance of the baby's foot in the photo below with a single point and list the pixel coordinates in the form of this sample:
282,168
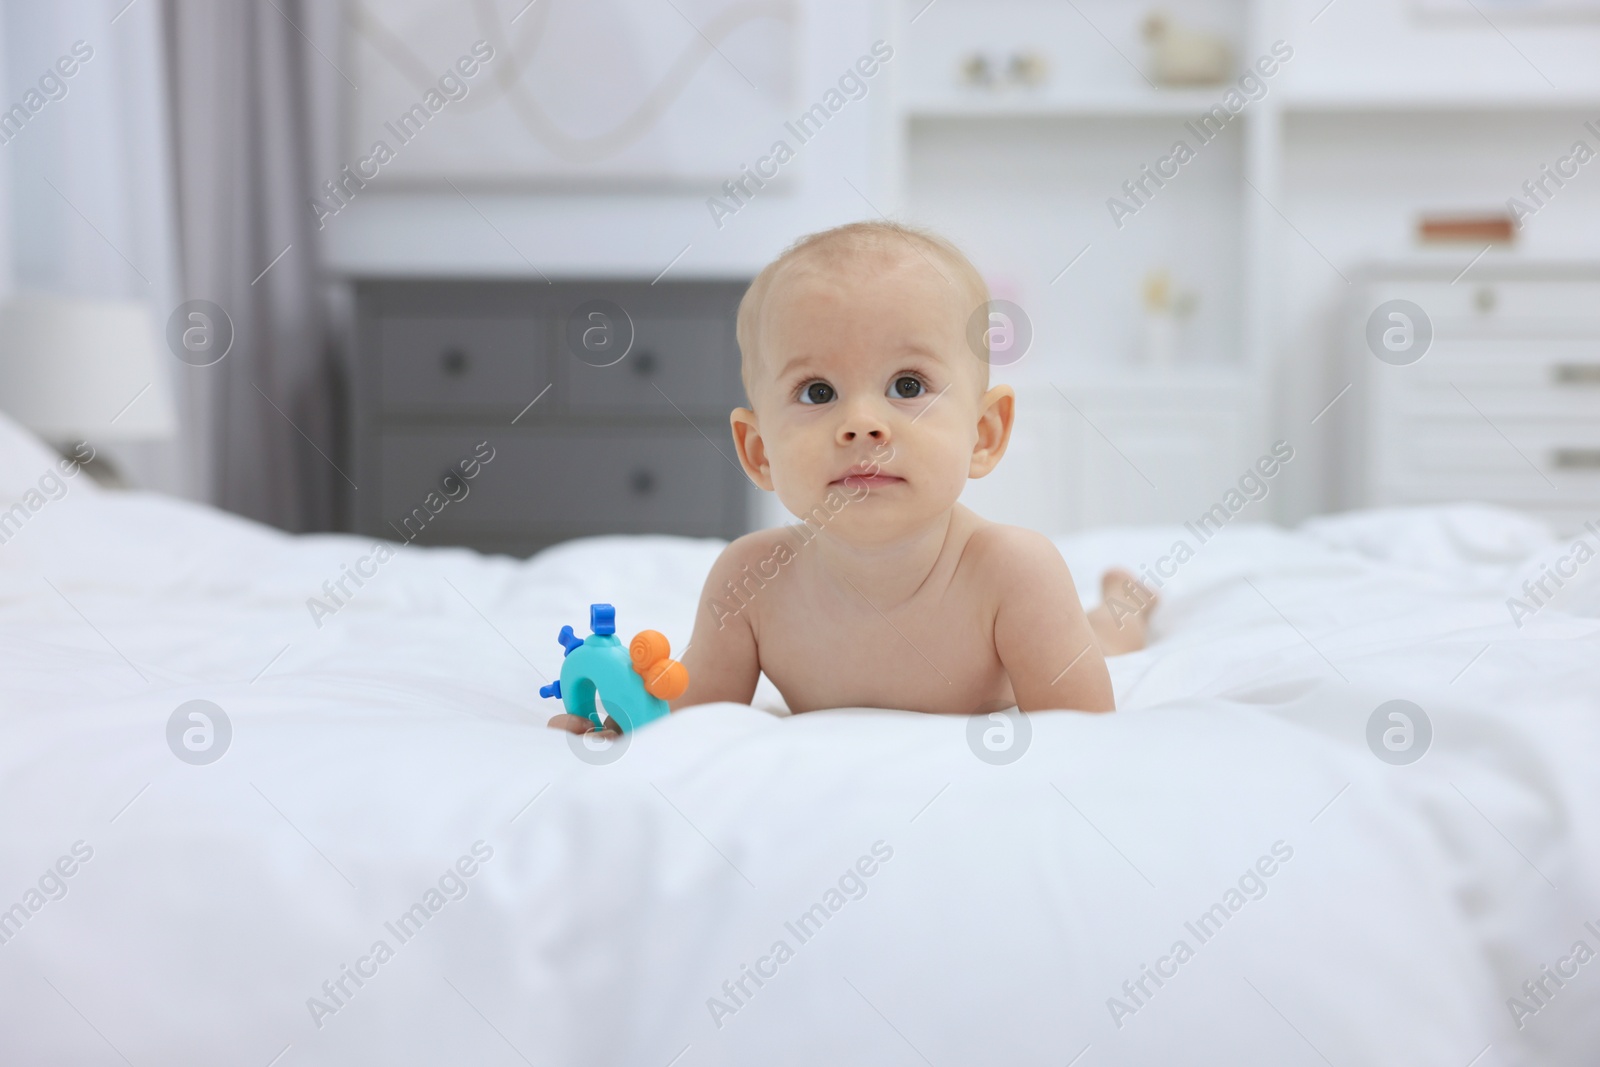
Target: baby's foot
1122,619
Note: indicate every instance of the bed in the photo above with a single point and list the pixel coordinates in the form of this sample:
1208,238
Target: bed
391,859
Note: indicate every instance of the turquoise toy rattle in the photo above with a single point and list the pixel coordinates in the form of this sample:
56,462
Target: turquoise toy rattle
634,683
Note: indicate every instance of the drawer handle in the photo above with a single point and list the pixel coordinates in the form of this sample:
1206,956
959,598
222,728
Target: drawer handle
1577,459
454,362
1577,373
645,364
642,482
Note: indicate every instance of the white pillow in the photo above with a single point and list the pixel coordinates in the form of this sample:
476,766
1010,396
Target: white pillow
24,460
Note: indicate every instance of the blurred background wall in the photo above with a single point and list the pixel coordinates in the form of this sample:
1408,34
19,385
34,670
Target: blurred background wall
1170,330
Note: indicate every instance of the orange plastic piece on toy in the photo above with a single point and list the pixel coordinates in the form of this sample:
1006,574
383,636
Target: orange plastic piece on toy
663,678
648,647
667,679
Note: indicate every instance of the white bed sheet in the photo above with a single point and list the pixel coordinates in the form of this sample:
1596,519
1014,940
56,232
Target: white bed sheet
372,752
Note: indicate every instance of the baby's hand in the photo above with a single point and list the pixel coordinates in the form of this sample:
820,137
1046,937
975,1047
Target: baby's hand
577,724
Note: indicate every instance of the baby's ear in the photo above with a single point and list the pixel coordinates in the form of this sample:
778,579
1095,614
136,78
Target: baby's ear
997,411
751,448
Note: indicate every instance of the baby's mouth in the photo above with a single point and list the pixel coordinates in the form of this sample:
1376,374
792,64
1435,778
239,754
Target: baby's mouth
868,474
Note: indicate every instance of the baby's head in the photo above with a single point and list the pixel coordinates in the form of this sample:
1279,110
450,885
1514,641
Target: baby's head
863,384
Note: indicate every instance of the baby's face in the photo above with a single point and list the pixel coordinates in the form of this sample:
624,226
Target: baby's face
864,387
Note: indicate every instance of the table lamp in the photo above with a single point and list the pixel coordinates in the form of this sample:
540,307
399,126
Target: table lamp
83,370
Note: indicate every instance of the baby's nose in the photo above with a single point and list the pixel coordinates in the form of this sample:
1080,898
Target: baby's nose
862,422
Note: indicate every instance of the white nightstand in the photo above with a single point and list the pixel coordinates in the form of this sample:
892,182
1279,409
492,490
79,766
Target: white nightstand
1502,407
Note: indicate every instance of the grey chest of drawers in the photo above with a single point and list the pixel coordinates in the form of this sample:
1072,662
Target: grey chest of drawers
1488,388
476,424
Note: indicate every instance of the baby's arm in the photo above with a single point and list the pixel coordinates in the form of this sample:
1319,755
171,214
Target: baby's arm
721,656
1041,632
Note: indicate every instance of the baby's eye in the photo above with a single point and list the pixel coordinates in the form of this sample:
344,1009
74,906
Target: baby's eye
907,387
816,393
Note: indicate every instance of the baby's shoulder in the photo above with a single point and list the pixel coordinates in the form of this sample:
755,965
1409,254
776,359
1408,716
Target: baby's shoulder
759,552
999,554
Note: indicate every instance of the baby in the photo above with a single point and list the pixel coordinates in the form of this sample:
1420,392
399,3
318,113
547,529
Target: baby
869,410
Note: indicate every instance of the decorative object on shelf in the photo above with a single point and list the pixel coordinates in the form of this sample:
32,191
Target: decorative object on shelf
1026,70
1492,228
1180,56
1165,312
633,683
977,72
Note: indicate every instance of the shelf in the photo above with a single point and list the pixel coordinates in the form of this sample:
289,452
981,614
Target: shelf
1186,103
1157,104
1403,103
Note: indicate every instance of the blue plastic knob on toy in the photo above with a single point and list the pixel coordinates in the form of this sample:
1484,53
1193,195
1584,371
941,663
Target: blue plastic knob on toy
634,683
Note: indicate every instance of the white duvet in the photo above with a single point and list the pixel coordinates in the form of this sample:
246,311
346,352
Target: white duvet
395,862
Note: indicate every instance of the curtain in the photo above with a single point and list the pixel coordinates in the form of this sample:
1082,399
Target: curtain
266,416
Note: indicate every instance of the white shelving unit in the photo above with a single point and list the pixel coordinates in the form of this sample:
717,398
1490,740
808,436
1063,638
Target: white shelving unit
1020,178
1378,115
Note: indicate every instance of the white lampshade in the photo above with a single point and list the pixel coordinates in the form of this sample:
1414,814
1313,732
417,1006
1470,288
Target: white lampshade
75,369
